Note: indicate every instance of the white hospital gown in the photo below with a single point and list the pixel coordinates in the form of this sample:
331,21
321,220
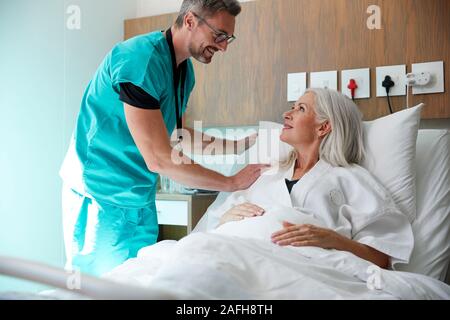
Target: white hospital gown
347,200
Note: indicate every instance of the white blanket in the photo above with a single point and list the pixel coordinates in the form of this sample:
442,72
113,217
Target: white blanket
216,266
238,261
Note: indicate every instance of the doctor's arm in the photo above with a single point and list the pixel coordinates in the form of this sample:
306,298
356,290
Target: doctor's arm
150,135
198,142
309,235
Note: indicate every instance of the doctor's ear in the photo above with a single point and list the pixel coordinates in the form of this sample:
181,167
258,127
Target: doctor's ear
324,129
189,21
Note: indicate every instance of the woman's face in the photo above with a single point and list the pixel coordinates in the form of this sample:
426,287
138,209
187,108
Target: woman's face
300,124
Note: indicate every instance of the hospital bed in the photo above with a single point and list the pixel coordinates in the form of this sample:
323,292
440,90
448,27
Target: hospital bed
422,278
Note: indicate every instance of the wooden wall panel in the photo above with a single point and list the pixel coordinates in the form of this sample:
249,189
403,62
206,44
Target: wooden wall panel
135,27
248,83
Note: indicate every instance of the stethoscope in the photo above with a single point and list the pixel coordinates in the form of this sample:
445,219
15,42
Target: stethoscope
177,74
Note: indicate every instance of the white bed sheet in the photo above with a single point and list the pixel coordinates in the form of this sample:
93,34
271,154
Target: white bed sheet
214,266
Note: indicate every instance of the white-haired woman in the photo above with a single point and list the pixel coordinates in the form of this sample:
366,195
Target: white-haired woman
322,180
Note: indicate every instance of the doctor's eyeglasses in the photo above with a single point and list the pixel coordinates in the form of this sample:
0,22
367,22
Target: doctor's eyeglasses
219,35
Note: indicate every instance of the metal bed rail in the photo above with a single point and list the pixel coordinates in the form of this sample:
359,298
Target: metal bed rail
86,285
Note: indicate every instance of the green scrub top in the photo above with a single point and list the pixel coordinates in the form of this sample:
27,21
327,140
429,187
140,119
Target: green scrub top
113,169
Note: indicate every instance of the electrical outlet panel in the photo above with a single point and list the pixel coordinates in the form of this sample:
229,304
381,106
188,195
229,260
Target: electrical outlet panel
397,74
419,79
296,85
327,79
362,78
436,83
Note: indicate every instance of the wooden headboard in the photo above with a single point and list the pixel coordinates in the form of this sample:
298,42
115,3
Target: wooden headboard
276,37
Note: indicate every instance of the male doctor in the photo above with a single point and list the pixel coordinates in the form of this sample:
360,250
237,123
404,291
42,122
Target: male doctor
121,140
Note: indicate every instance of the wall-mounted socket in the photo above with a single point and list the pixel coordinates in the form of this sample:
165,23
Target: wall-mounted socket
362,78
419,79
436,70
296,85
397,74
326,79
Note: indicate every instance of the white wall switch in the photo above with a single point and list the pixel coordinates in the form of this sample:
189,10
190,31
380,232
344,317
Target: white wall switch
326,79
436,69
362,78
296,85
397,74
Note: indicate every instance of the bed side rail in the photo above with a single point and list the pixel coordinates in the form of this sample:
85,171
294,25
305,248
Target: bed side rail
85,285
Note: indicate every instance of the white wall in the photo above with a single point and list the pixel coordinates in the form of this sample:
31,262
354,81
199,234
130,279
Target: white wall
147,8
44,69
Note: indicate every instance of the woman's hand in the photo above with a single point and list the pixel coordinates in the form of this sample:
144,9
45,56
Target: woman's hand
240,212
301,235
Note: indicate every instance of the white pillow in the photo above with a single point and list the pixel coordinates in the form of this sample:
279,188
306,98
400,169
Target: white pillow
390,144
431,227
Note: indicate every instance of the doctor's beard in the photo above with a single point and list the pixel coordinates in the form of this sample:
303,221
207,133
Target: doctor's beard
202,54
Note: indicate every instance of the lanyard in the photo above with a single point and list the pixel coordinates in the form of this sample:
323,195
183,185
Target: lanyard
178,72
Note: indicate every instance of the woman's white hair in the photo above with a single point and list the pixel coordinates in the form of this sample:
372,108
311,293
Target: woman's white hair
343,145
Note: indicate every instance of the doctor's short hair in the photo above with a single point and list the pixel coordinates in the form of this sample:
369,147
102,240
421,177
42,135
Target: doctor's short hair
344,145
207,8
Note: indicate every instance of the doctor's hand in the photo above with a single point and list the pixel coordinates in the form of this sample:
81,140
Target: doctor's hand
247,176
306,235
240,212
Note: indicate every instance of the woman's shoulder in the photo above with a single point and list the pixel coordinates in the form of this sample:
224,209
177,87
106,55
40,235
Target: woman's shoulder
356,175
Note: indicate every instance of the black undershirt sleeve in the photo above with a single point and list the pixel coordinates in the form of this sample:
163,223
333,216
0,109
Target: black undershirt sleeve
137,97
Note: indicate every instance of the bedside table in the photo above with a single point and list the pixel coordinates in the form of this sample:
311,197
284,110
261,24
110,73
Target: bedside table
178,214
